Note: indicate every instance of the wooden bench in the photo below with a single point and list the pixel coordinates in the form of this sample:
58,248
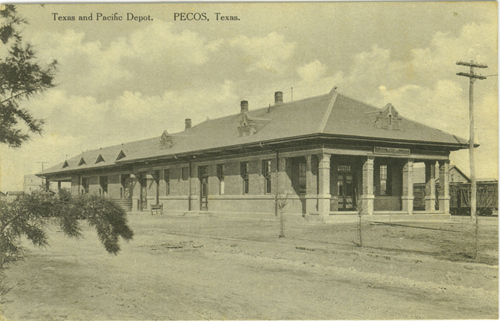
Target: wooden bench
156,208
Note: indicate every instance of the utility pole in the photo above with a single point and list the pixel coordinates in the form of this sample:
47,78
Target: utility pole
43,183
472,77
42,164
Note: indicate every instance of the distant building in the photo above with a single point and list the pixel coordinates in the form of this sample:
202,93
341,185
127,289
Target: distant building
330,155
457,176
13,195
32,183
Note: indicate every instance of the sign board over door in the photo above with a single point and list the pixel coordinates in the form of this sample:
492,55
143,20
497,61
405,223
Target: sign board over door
391,151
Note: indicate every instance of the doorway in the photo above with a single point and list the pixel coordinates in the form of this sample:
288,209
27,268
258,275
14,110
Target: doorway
203,176
346,190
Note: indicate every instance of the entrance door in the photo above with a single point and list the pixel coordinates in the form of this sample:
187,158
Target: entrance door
203,176
144,193
346,197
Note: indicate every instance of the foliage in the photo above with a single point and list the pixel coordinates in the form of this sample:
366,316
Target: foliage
21,77
29,214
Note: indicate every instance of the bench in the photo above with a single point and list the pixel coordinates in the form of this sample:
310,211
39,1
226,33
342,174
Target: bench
156,208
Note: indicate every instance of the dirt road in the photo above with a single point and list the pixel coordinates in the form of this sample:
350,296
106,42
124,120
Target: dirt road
172,272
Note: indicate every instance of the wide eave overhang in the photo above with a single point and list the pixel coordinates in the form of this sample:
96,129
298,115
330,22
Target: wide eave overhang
275,144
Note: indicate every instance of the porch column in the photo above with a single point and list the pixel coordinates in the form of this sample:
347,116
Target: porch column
376,178
334,185
311,185
136,191
430,186
283,182
47,184
367,198
444,191
407,197
324,185
280,189
58,186
150,191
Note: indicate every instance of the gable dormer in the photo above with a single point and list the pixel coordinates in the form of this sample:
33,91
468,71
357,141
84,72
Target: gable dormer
82,162
65,164
121,155
99,159
247,126
166,140
388,118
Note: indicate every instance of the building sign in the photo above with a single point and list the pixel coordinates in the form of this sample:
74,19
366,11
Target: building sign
391,151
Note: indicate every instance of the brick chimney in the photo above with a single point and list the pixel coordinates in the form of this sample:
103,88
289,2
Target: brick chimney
244,106
188,123
278,97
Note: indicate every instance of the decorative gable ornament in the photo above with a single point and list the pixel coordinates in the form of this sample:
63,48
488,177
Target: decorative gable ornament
166,140
247,126
388,118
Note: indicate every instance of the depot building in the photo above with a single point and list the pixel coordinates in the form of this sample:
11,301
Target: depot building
325,157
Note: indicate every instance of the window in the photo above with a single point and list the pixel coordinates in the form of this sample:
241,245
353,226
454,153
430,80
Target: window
166,178
85,185
220,176
266,172
344,168
385,180
103,181
185,174
244,175
125,191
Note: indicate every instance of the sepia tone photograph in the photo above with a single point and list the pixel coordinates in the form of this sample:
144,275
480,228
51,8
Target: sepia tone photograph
264,161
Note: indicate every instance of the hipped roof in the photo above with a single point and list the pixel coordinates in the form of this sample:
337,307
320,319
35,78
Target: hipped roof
332,115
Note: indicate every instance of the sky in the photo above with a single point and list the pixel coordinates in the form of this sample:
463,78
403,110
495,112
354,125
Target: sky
125,80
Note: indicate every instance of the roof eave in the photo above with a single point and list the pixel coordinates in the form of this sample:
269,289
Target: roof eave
449,146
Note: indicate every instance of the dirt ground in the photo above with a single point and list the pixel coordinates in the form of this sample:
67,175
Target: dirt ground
204,267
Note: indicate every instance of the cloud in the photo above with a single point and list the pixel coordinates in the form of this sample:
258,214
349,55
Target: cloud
157,42
269,53
140,58
312,71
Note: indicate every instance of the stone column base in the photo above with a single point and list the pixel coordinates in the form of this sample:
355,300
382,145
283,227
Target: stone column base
407,202
366,205
324,205
444,204
430,203
311,203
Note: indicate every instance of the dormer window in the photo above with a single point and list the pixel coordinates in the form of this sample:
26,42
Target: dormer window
99,159
82,162
247,126
121,155
388,118
165,140
65,164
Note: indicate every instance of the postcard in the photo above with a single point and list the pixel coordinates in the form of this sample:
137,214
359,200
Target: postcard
260,160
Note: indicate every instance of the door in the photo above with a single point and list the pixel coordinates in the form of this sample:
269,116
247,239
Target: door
203,176
144,194
346,197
